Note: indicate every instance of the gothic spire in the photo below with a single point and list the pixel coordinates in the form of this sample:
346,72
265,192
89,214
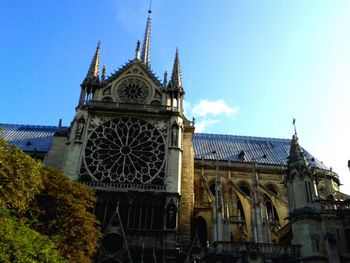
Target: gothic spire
146,48
94,69
176,81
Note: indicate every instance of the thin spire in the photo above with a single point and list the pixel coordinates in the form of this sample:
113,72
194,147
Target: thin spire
176,81
295,128
146,48
94,69
137,51
165,80
104,70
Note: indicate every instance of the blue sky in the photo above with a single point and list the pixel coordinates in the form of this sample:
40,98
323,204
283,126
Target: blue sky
252,65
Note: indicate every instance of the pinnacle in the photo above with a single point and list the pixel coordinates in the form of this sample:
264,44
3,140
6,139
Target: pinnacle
296,154
176,81
94,69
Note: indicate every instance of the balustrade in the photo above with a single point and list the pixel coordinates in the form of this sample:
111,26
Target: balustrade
130,106
269,250
120,186
335,205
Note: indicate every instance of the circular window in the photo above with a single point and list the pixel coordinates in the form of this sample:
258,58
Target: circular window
125,150
133,90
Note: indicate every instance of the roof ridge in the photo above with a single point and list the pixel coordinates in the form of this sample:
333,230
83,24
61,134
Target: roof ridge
124,67
242,136
29,125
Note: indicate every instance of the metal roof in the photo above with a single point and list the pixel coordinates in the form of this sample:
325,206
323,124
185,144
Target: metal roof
29,137
262,150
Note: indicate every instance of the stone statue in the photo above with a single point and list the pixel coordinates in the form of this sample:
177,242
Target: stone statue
80,129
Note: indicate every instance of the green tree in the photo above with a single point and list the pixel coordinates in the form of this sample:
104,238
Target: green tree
20,178
62,213
49,203
19,243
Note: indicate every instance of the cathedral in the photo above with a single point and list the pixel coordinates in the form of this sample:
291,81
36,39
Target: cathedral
168,194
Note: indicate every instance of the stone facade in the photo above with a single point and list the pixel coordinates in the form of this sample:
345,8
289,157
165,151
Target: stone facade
160,199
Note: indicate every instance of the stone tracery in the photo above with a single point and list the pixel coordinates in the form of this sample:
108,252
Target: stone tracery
125,150
133,90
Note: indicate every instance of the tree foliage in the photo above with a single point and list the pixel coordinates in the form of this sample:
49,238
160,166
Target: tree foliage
20,178
19,243
62,213
51,212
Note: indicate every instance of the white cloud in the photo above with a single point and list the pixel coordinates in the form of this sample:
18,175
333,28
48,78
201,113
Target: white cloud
208,113
213,108
202,124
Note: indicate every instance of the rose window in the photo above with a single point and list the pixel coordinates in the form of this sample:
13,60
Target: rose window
133,90
124,150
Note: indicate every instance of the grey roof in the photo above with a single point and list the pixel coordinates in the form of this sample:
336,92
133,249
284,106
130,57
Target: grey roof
263,150
29,137
228,147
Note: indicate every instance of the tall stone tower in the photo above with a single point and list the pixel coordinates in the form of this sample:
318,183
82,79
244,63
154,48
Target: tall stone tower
131,142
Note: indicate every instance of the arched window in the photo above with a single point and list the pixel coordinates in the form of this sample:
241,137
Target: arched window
199,228
171,212
212,189
272,189
271,212
245,189
240,211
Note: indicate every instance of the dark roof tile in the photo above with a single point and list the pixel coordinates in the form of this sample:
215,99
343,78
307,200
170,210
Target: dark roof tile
227,147
29,137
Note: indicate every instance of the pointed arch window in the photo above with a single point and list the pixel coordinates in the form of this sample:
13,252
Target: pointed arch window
271,212
240,211
245,189
171,214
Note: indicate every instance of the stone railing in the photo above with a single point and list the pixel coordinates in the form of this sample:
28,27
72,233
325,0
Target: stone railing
270,251
130,106
120,187
335,205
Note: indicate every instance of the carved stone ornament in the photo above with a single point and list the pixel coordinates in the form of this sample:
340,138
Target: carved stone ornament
124,150
133,90
80,129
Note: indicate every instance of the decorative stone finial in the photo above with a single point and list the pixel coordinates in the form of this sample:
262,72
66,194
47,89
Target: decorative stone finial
137,51
176,81
104,70
165,81
94,69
